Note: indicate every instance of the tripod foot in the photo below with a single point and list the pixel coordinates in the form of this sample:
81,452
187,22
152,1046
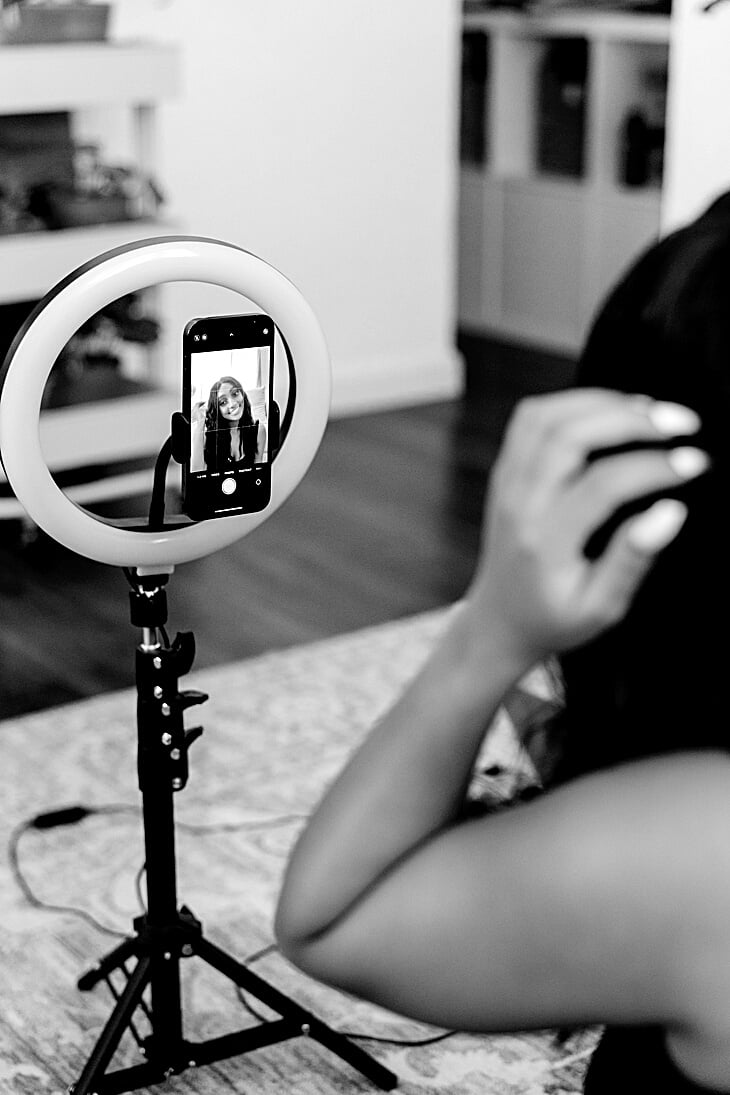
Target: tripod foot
299,1020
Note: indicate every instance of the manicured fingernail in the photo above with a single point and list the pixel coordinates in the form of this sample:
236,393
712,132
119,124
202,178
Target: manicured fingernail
672,419
658,525
687,461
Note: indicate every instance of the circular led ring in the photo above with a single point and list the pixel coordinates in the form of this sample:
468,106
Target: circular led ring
65,308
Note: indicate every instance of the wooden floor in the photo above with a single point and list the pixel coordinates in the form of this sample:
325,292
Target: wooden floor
385,524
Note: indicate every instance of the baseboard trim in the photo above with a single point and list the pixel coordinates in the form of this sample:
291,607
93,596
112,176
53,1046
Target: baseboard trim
388,382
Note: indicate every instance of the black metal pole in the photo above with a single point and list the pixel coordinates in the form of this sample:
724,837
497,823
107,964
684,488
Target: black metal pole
159,724
160,733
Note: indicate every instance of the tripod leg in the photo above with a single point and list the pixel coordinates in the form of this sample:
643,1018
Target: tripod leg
115,1027
307,1023
112,961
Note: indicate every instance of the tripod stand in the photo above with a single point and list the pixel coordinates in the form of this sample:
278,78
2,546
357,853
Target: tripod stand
165,934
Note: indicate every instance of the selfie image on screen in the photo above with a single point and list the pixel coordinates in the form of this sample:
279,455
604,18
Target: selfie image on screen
229,394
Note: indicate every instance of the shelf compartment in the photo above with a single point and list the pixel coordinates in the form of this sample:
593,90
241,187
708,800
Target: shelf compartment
474,136
624,79
537,92
559,106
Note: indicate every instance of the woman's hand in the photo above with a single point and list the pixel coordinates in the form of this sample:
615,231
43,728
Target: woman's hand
534,583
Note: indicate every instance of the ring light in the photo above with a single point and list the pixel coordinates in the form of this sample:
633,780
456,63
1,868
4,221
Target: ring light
86,291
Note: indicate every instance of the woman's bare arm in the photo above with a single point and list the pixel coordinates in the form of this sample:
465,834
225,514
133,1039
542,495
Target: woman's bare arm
604,901
389,894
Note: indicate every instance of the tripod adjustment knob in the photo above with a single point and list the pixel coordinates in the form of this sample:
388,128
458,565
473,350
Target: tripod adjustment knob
192,735
190,698
182,652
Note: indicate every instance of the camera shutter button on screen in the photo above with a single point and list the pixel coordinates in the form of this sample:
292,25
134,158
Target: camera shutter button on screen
228,486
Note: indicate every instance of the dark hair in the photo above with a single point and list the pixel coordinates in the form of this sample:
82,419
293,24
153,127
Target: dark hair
653,683
217,444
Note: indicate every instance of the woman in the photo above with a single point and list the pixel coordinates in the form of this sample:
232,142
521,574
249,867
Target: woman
232,438
607,898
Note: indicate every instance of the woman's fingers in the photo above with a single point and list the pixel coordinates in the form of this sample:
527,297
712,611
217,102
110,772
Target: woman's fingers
655,528
552,437
615,577
615,481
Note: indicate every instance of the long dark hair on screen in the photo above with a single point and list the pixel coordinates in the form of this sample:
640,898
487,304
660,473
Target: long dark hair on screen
217,444
655,683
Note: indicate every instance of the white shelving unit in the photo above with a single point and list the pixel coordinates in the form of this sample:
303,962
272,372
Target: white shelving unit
32,262
539,251
89,76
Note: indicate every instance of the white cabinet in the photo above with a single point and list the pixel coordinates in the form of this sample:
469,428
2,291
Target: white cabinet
75,78
540,245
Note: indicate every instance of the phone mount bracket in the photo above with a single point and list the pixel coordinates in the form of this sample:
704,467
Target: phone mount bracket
180,437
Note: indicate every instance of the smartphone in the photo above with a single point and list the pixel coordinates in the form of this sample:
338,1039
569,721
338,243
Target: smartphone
227,402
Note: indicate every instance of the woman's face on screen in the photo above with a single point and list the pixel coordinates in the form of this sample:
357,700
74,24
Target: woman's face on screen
230,402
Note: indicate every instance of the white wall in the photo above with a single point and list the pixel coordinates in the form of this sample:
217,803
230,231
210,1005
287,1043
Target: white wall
322,135
697,167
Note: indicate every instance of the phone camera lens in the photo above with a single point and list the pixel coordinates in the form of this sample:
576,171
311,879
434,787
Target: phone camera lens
197,338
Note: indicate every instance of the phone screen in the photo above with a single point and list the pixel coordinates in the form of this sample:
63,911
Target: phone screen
228,372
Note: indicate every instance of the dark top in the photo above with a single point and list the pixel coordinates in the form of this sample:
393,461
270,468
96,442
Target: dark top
635,1061
217,451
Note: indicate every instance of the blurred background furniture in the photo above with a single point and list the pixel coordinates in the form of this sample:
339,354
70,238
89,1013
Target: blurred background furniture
562,164
587,131
107,423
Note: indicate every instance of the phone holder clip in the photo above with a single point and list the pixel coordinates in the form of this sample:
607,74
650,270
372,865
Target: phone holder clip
180,437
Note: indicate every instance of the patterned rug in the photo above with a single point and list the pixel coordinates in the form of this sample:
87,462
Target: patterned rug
277,729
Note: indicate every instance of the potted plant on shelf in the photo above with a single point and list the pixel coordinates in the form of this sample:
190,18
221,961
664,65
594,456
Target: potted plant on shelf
25,22
97,193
